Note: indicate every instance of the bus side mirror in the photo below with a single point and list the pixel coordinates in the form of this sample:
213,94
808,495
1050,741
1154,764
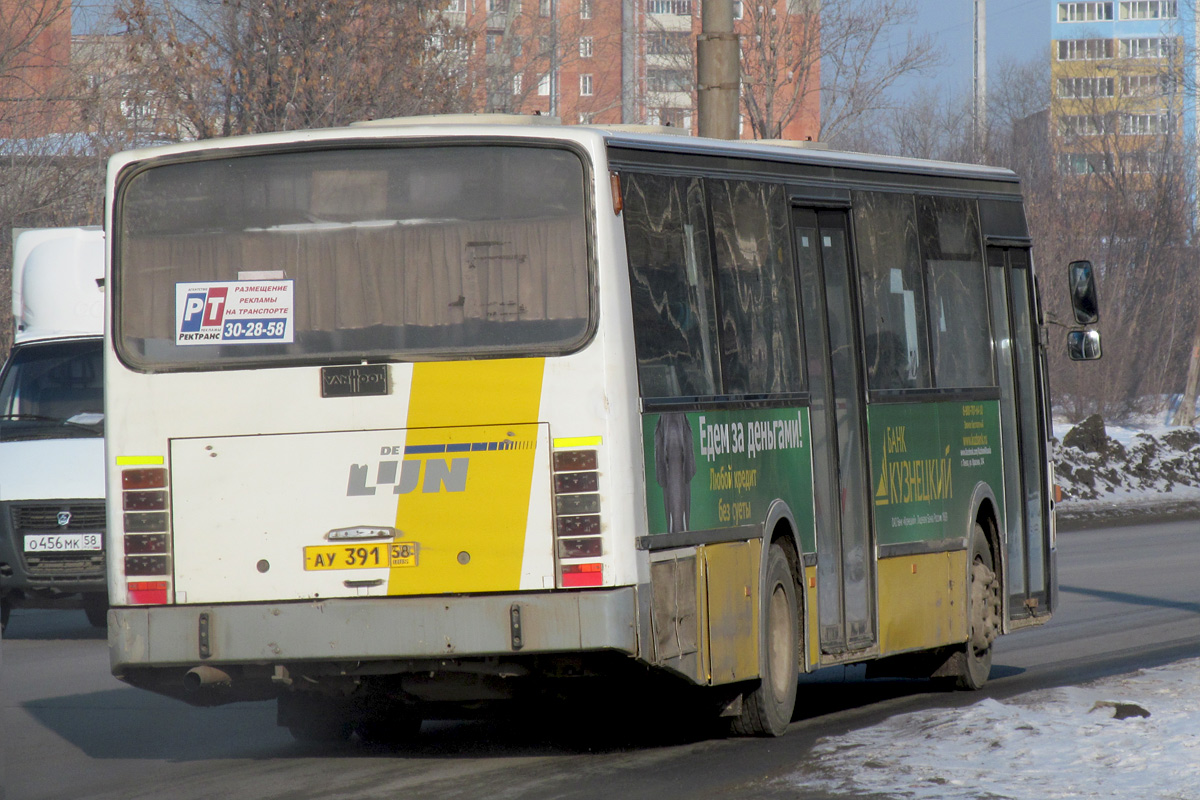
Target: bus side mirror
1084,301
1083,345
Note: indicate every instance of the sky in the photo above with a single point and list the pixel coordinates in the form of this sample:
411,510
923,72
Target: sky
1129,736
1017,30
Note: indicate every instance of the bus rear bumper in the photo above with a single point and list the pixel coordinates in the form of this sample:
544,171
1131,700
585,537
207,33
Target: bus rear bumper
373,629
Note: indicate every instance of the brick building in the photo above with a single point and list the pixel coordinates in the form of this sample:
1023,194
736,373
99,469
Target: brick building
35,53
607,61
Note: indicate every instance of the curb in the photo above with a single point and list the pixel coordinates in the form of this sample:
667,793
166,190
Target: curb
1098,515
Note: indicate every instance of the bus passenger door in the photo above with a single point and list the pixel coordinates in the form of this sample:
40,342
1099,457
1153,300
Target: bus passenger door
845,550
1014,321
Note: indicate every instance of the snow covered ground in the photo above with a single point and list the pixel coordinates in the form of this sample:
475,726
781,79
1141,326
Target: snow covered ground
1101,466
1131,737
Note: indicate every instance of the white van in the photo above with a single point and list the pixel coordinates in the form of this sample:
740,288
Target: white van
52,517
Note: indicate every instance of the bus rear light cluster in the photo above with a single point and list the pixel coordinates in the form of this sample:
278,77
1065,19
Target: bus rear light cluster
147,593
153,543
576,482
144,478
144,501
576,575
577,515
582,547
147,529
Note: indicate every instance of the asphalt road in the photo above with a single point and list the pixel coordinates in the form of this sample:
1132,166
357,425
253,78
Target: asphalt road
1130,599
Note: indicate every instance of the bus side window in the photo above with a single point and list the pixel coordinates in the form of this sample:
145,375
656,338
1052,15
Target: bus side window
760,327
670,276
893,300
950,246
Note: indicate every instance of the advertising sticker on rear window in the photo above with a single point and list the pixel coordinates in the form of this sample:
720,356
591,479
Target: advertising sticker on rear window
234,312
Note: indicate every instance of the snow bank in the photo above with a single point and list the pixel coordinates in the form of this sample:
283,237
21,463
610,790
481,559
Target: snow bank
1095,464
1132,736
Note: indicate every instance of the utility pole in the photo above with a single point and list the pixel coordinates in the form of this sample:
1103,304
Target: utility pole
979,76
630,69
718,71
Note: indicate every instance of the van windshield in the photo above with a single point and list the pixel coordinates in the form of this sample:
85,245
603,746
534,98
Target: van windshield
414,252
53,390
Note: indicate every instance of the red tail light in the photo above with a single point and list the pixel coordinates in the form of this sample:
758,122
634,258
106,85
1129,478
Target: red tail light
577,527
148,593
146,521
574,575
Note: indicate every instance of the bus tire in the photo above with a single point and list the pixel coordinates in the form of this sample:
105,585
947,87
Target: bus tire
395,727
5,612
767,709
983,614
95,606
315,718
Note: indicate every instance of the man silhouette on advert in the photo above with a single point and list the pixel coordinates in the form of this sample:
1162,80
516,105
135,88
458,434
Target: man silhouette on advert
674,468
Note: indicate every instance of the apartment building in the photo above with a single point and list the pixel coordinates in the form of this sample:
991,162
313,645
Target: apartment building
612,61
1118,84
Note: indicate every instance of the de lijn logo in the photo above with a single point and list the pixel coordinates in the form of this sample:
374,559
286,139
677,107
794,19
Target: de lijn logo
422,467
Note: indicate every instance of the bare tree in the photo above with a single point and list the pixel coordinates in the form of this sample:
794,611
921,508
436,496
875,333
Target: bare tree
227,67
50,173
781,43
855,60
1116,185
1113,182
931,124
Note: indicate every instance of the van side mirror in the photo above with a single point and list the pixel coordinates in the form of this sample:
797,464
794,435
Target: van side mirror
1084,301
1083,345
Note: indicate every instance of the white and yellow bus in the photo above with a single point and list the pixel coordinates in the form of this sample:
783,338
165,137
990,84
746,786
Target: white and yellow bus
418,414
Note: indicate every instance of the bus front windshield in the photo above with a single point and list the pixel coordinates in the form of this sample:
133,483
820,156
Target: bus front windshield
416,252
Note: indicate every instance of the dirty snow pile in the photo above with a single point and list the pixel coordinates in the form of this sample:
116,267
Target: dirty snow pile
1119,464
1132,736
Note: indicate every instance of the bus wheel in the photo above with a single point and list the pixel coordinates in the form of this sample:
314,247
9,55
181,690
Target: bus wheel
983,603
395,727
312,717
96,607
767,710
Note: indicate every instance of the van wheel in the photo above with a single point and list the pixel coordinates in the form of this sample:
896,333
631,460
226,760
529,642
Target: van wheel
983,614
767,710
96,608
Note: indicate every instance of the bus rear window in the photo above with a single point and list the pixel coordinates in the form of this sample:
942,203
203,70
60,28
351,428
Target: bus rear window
419,252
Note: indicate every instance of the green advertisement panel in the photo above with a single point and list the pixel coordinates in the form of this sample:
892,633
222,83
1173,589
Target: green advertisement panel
722,469
926,461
